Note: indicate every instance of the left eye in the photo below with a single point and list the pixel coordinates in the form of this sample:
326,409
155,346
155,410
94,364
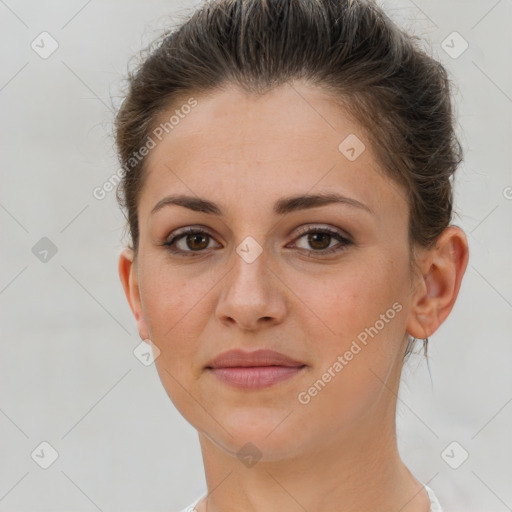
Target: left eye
319,240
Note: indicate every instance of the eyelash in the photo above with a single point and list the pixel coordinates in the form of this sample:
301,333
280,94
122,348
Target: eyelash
303,231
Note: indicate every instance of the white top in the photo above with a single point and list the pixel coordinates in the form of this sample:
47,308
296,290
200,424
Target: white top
434,502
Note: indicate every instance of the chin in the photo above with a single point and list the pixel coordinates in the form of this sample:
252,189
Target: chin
253,447
274,433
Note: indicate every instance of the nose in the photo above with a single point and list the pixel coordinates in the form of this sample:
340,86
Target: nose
252,296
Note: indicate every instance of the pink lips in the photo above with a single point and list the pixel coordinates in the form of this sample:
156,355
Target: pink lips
254,370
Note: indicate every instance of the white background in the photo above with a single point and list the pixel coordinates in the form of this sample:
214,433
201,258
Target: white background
67,372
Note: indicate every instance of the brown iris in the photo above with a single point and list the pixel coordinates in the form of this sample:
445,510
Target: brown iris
195,237
313,239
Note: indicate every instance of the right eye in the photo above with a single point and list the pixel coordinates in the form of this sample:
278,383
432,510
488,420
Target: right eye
188,241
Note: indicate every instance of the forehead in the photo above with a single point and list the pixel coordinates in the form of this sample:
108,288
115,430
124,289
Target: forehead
292,113
293,139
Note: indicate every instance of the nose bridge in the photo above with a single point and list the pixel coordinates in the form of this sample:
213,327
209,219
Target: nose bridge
250,291
248,279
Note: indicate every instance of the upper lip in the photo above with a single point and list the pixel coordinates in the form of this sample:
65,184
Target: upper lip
262,357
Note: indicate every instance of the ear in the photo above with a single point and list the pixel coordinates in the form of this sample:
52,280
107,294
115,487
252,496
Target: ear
128,273
437,287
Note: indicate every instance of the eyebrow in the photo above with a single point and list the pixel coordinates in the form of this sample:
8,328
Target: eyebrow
281,207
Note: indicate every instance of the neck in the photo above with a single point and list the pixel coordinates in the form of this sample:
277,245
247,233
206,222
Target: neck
360,471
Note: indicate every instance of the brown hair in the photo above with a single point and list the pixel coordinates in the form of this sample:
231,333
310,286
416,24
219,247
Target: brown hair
350,48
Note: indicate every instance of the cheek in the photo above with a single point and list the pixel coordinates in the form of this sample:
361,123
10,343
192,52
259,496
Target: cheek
365,314
363,306
176,310
352,297
173,306
168,293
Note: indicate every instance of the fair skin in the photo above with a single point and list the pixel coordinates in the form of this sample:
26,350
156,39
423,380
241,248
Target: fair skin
244,153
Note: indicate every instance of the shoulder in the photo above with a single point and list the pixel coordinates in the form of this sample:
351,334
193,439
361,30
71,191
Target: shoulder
435,506
190,508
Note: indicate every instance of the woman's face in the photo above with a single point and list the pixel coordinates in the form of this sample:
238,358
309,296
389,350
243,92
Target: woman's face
337,301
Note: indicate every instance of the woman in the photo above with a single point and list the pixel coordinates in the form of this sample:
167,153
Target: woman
288,192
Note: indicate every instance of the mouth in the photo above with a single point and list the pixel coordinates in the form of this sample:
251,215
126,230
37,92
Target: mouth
255,377
254,370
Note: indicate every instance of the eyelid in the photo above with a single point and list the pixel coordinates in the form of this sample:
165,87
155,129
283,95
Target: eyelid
186,230
319,227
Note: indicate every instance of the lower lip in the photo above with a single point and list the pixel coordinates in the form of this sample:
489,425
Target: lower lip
255,377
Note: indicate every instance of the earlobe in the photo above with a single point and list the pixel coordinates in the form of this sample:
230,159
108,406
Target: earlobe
437,291
128,274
